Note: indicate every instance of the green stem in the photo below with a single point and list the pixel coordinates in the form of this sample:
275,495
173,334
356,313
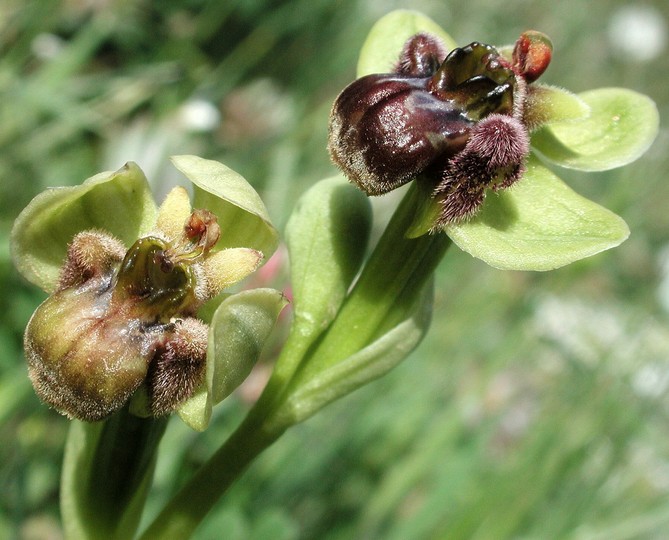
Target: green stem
107,471
189,506
394,275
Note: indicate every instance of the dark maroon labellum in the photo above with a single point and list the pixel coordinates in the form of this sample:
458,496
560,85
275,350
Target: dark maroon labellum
394,129
424,119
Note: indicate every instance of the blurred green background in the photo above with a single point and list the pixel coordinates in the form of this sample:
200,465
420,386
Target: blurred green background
538,405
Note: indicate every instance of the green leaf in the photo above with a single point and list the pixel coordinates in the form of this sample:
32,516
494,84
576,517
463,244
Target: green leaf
241,213
538,224
382,48
238,331
309,395
621,127
118,202
550,104
383,318
326,235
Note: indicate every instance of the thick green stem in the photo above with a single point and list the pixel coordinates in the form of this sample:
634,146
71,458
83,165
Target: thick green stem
107,470
189,506
394,275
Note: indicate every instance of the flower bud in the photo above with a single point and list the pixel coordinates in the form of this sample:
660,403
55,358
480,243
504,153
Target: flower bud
532,54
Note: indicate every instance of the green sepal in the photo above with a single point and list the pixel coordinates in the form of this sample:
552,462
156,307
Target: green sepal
309,395
538,224
327,236
621,126
119,203
208,309
196,410
381,50
238,330
241,214
550,104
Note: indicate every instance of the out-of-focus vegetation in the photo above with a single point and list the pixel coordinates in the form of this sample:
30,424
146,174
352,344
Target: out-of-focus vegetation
538,405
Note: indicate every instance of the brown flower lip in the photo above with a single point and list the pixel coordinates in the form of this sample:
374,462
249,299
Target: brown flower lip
120,319
387,129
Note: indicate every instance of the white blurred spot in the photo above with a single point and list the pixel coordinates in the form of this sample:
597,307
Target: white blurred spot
254,112
652,380
47,46
584,331
639,33
199,115
631,344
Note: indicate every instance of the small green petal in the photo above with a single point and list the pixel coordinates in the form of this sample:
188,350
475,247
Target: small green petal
196,411
538,224
382,48
118,202
238,331
225,268
241,214
549,104
621,127
173,213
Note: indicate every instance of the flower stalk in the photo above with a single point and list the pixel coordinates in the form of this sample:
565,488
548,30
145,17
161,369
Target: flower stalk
396,273
107,472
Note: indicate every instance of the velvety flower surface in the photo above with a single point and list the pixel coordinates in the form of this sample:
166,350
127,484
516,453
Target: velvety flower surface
128,281
469,122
